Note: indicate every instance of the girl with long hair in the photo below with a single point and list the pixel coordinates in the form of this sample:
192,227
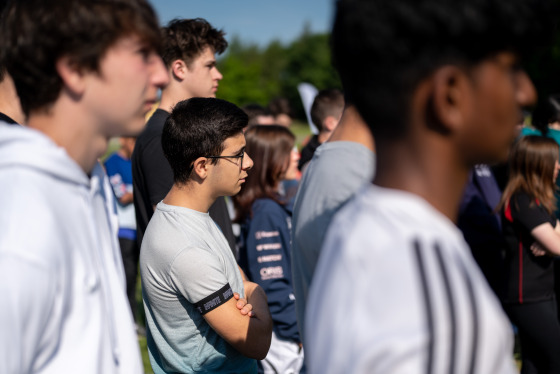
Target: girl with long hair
532,234
265,253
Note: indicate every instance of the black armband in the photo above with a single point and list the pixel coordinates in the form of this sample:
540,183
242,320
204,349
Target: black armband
215,300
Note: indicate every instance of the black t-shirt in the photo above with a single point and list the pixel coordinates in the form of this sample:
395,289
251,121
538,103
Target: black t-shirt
529,278
7,119
152,178
308,151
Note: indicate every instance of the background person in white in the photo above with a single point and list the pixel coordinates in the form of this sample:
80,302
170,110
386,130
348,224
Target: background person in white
338,169
84,71
189,273
443,92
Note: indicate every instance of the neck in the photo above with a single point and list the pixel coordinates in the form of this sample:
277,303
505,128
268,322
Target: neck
189,195
428,168
171,95
352,128
70,128
324,136
9,100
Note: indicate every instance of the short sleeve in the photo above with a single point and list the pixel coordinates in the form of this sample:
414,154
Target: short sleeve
527,212
199,275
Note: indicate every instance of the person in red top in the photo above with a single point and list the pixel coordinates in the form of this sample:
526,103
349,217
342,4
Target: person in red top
532,234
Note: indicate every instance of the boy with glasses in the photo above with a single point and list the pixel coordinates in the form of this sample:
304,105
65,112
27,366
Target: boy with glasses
202,314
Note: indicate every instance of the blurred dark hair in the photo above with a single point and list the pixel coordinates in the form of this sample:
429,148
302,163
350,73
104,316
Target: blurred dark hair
253,111
531,170
546,112
384,48
328,102
280,105
37,33
3,4
270,147
186,39
198,127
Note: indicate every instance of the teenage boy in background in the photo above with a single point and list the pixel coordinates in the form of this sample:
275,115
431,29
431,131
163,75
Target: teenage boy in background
189,49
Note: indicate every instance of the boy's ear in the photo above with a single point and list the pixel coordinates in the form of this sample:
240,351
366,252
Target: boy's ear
329,123
200,167
72,77
179,69
450,101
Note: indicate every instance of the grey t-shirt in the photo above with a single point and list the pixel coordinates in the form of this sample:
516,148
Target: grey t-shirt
336,172
187,269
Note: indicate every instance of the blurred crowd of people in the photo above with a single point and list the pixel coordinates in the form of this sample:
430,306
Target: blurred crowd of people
415,232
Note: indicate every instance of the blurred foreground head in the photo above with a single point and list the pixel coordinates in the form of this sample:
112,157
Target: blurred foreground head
383,49
36,34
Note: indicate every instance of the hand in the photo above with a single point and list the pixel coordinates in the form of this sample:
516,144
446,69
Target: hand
244,308
537,250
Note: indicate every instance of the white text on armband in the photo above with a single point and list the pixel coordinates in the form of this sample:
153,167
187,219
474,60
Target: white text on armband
273,272
266,234
269,258
269,246
215,300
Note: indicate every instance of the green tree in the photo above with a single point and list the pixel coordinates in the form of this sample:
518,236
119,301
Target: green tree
257,75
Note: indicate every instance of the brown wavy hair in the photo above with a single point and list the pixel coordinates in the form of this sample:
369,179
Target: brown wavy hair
270,147
531,170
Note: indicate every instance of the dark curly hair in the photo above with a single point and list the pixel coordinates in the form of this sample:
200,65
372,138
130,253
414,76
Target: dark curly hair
384,48
186,39
37,33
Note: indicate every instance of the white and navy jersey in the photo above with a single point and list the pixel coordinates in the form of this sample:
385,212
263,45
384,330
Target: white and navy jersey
397,291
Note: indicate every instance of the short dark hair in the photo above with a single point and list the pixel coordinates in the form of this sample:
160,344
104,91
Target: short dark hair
384,48
3,4
37,33
186,39
255,110
328,102
280,105
198,127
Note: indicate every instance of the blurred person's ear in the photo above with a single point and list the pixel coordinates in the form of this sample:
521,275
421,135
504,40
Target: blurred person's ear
73,78
448,99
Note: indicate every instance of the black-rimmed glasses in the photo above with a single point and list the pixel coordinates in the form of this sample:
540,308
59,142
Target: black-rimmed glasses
240,155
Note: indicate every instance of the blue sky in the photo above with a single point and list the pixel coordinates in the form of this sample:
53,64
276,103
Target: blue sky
254,21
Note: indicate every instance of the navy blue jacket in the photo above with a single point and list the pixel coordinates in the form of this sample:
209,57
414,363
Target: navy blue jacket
265,256
481,225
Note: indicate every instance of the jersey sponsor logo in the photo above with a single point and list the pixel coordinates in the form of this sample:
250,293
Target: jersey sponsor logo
266,234
273,272
269,258
269,246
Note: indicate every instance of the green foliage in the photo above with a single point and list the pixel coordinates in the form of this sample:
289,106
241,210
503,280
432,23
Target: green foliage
257,75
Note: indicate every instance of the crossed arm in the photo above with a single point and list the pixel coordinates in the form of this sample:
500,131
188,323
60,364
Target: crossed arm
548,239
245,324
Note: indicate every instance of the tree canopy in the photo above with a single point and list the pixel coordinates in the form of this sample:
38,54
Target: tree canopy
258,75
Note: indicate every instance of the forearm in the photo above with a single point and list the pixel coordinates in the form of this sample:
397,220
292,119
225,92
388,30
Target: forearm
250,336
260,325
126,198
